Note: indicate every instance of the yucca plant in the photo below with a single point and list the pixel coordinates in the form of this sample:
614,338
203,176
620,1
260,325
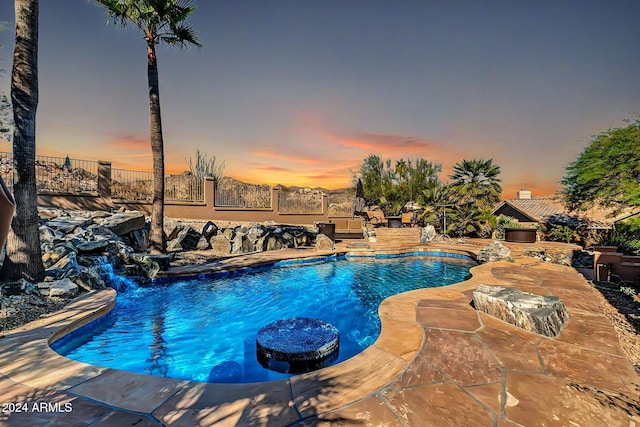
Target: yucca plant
205,167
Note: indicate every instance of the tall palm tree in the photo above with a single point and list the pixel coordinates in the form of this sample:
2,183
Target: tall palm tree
159,21
23,256
476,181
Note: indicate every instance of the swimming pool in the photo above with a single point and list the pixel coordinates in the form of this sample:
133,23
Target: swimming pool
204,329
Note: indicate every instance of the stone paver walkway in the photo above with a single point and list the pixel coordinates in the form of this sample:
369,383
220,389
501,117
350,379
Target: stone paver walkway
437,362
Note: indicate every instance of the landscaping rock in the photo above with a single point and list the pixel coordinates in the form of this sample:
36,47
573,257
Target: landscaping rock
162,260
64,288
324,243
543,315
427,233
49,235
187,238
67,224
209,230
229,233
94,246
494,252
122,223
203,244
220,245
139,239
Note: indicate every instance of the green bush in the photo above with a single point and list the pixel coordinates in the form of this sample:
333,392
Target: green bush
562,233
503,222
626,236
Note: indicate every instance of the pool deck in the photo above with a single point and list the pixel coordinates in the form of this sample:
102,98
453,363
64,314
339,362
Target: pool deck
437,362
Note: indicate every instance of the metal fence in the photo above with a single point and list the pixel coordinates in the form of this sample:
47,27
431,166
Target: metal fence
243,196
138,186
342,209
183,188
131,185
57,174
299,203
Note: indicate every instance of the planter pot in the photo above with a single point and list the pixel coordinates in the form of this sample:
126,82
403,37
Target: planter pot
7,208
520,235
394,221
328,229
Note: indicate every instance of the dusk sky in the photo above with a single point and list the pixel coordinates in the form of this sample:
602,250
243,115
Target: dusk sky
300,92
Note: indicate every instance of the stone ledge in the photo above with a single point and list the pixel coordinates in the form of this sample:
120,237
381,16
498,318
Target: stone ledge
543,315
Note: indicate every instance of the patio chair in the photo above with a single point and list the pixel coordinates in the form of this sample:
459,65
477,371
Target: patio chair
376,218
408,219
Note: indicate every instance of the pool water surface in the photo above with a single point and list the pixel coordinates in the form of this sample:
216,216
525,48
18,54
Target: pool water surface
204,329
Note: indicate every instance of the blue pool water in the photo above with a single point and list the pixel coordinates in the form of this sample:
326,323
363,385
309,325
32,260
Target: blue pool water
204,329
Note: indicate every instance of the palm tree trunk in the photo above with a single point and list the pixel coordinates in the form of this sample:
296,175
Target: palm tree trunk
23,257
156,234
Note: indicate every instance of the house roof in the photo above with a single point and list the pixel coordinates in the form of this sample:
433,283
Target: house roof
551,209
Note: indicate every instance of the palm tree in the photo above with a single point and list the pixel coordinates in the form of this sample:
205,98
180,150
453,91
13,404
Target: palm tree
159,21
23,256
465,219
476,181
432,199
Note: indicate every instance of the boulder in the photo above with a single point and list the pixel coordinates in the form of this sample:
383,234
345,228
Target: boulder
52,256
101,233
229,233
169,226
63,288
427,233
543,315
496,251
272,243
209,230
255,232
89,279
93,246
49,235
241,244
139,239
323,243
122,223
67,224
163,260
220,245
187,238
203,244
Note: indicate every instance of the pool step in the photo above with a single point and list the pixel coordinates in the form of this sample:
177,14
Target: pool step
398,235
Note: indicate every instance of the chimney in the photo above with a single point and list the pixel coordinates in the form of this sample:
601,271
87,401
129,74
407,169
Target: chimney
523,194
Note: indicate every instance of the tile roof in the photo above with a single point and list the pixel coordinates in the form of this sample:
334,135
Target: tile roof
551,209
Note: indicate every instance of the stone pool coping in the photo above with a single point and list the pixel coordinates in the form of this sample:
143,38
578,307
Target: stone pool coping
436,359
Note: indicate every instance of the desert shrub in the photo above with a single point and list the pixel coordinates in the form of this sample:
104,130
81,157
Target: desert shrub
625,235
502,222
562,233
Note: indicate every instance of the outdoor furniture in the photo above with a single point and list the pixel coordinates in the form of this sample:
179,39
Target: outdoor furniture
347,228
408,219
376,218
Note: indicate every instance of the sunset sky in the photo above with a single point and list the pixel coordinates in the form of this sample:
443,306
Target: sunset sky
300,92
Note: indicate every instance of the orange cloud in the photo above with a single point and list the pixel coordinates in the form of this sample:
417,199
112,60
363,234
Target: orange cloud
285,157
128,142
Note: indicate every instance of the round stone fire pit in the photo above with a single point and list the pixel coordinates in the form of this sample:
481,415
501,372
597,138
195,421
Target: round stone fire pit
297,345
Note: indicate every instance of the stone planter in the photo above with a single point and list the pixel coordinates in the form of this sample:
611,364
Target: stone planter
7,208
520,235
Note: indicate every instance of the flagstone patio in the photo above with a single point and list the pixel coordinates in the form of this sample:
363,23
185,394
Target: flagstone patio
437,362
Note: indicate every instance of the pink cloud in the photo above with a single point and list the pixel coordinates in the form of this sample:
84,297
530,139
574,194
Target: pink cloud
286,157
